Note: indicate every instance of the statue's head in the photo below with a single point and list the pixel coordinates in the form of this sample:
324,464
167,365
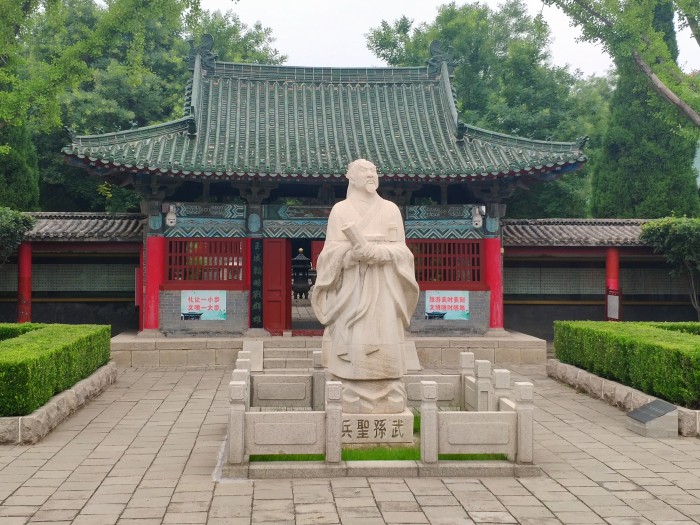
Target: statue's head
362,175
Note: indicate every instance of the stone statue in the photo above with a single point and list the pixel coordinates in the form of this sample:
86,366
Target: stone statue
365,294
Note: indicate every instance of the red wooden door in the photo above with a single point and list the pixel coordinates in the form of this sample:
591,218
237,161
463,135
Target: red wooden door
277,284
316,247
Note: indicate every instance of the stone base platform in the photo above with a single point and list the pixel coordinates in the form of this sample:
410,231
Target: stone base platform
130,349
382,469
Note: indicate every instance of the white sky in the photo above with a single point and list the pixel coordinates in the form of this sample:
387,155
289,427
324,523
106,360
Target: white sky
332,32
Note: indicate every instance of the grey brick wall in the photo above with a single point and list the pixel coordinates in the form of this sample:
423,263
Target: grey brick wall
235,324
477,324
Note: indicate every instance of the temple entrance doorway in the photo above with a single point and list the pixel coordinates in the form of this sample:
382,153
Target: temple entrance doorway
302,315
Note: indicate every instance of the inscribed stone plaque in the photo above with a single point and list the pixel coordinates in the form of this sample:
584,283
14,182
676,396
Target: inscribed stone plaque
377,428
650,411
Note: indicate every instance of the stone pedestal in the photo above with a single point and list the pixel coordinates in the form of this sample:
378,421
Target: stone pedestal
377,429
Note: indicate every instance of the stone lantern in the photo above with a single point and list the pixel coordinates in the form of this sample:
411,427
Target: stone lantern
300,275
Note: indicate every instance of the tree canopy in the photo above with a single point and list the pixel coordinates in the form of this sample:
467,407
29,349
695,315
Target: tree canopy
646,168
678,239
13,226
130,71
626,30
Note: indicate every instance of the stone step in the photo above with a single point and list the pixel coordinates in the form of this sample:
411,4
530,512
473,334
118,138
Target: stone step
277,362
294,353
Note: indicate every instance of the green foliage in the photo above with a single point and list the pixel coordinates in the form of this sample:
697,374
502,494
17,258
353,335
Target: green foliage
19,170
134,75
678,239
8,331
646,169
505,82
13,226
662,360
636,33
43,362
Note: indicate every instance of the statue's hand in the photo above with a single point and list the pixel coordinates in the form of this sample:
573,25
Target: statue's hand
370,254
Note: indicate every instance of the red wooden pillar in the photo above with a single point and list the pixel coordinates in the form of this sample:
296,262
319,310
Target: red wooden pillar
24,283
612,284
612,269
494,280
155,275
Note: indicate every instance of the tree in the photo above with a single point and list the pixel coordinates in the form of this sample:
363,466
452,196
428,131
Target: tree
627,31
678,238
646,169
504,82
19,171
114,93
13,226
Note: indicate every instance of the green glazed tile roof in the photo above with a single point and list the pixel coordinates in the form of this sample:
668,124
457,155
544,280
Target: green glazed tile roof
247,120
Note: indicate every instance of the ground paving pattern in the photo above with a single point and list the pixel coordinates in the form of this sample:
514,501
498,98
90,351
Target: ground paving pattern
146,450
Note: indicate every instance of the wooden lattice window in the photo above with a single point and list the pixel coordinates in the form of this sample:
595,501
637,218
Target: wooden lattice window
448,264
206,263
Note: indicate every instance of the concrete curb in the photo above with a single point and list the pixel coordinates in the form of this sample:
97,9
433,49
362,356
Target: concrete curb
617,394
32,428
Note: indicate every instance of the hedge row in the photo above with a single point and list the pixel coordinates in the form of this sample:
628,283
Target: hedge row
8,331
46,360
660,359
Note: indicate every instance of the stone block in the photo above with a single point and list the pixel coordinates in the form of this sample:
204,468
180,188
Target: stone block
286,353
533,356
34,426
466,344
282,390
561,371
145,358
429,357
225,356
609,388
255,349
428,342
400,469
687,422
285,342
300,363
274,362
450,358
9,430
204,357
224,343
122,358
570,375
448,388
189,343
285,432
552,367
665,426
133,345
314,342
621,394
173,358
507,354
296,469
483,353
412,361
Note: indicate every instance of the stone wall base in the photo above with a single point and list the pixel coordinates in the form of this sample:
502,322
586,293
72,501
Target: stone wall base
32,428
616,394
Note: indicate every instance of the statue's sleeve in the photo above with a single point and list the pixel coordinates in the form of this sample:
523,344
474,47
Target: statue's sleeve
327,298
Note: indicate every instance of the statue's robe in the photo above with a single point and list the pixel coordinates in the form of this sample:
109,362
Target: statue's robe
365,307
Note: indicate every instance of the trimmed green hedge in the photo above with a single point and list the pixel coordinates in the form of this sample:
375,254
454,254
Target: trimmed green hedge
44,360
660,359
8,331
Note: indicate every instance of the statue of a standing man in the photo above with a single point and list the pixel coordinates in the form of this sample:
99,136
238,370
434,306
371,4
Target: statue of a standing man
365,294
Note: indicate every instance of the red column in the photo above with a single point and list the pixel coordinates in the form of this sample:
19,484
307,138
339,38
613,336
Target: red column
494,280
155,275
24,283
612,269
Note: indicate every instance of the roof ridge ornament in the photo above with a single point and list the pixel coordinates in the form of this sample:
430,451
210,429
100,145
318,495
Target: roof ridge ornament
204,50
438,55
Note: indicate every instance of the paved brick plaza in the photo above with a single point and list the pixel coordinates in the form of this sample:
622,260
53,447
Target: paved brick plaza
146,452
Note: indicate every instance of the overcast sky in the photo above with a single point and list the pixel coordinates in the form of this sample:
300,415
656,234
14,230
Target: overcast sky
332,32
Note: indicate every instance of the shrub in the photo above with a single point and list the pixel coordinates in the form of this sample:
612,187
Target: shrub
8,331
46,360
660,359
